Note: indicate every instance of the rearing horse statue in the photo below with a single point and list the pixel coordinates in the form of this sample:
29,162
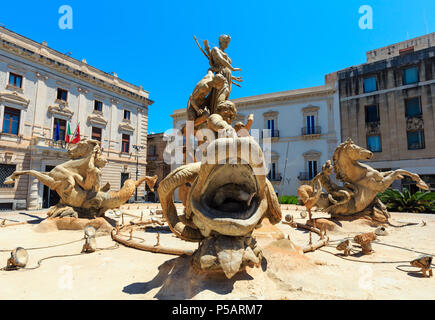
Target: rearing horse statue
361,182
77,182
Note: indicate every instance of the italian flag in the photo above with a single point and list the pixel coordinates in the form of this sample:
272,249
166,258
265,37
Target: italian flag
68,134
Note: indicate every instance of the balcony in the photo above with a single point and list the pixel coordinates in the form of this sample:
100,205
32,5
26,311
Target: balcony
267,133
38,141
305,176
311,131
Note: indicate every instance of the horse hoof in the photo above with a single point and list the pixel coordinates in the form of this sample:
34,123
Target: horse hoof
9,181
420,184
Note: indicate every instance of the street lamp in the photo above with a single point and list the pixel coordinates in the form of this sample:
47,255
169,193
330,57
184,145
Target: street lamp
137,148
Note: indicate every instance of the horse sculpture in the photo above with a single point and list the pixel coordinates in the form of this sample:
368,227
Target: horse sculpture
77,182
361,184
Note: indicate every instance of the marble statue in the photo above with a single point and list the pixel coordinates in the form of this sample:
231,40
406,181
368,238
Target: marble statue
77,183
361,184
226,195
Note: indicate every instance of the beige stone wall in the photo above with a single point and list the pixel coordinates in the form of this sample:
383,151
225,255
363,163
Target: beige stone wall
114,168
390,98
392,120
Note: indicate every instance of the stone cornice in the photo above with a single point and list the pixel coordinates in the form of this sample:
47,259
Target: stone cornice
277,98
312,154
61,110
97,118
40,53
270,114
179,114
284,96
126,127
15,98
310,108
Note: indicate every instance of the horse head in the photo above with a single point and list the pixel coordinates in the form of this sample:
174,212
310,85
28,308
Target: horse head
348,152
82,149
355,152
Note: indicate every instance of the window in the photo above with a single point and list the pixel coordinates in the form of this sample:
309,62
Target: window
374,143
98,106
370,84
62,129
412,107
311,124
272,173
271,124
15,80
372,114
5,171
96,133
410,75
125,147
62,94
152,150
124,177
415,140
11,121
127,115
312,169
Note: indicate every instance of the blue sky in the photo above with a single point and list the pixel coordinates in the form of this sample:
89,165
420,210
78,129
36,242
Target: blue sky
280,45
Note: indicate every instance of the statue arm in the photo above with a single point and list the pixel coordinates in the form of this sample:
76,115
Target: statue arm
249,122
238,79
216,123
217,55
192,103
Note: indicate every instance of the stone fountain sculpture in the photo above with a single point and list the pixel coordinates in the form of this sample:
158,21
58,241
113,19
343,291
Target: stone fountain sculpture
361,185
77,183
228,194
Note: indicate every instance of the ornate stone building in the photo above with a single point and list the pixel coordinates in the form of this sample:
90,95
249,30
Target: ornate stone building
41,91
304,128
387,105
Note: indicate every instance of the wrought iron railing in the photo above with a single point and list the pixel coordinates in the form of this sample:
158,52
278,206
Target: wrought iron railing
311,130
277,177
267,133
305,176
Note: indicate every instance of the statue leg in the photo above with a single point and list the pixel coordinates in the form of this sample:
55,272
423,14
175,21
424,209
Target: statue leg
44,178
415,177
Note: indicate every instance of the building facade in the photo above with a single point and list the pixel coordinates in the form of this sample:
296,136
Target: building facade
41,91
387,105
155,162
303,126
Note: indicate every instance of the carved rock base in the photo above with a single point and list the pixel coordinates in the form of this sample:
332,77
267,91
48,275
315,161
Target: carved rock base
61,210
102,225
229,255
376,212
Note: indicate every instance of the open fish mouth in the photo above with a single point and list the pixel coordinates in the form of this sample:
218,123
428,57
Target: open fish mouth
230,195
228,202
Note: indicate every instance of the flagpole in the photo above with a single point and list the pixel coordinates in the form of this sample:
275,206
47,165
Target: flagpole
75,132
